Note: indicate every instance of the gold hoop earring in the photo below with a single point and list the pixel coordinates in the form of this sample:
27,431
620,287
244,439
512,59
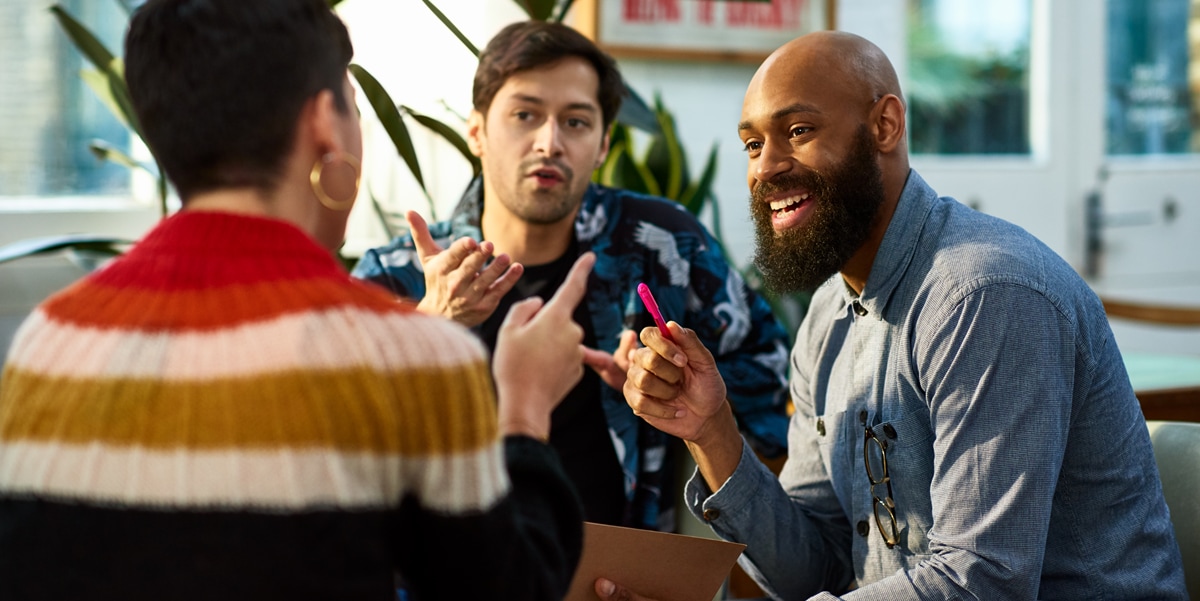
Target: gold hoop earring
314,178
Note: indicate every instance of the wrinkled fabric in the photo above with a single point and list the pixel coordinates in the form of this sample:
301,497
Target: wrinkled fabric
639,238
1020,464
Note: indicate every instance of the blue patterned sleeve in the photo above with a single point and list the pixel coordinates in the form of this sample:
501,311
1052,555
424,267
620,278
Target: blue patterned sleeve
395,267
749,345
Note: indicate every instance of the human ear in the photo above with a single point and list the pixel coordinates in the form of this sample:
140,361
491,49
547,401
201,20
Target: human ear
889,124
476,132
604,147
322,122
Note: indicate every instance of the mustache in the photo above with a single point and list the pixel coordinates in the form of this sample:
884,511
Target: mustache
809,180
531,164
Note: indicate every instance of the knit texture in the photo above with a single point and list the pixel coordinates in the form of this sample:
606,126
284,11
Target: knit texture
225,412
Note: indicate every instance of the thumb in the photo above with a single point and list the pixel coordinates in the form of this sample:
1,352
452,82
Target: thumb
628,343
521,312
689,342
426,247
608,590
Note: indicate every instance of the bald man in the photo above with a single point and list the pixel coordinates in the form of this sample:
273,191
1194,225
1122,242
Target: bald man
964,426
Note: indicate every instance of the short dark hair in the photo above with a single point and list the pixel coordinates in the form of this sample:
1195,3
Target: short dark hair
217,85
526,45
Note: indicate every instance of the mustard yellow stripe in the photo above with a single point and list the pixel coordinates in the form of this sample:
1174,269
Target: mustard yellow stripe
413,412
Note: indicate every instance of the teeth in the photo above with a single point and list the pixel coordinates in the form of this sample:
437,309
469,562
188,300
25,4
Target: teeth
779,205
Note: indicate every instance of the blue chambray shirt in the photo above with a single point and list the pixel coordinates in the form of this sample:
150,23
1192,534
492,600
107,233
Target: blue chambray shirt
1021,466
639,238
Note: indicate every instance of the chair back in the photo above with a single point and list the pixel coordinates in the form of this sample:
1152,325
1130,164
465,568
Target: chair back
1177,452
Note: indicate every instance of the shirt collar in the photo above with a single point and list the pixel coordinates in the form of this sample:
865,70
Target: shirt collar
898,247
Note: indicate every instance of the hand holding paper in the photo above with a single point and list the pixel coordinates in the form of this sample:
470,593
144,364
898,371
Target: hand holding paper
663,566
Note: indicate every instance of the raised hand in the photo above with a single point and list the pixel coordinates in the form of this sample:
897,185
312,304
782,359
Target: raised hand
612,368
539,355
459,284
675,386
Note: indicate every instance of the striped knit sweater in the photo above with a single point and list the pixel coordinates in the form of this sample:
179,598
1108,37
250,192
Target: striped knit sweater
223,413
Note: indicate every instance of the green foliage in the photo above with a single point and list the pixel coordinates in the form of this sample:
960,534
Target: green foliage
662,169
107,80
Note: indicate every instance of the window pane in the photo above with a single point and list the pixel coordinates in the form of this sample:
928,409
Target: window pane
47,114
968,71
1150,109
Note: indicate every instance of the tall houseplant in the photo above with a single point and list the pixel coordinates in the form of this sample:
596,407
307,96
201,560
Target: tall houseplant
662,169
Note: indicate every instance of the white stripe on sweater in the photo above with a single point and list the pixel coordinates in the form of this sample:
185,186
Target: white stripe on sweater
333,339
265,480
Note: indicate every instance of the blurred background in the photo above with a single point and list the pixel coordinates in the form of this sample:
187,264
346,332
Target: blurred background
1077,119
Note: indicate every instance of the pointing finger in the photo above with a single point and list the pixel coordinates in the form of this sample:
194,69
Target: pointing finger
568,295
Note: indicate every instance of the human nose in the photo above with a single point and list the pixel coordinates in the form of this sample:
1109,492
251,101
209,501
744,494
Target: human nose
549,139
773,160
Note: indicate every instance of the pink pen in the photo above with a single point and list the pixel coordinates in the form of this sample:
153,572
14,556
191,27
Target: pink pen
652,307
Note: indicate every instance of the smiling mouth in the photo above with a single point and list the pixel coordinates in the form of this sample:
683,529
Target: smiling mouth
784,206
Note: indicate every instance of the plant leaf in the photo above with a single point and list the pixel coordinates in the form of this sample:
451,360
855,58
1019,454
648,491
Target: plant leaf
120,94
538,10
449,25
701,190
389,116
665,158
634,111
83,39
107,152
620,170
447,132
562,11
98,83
34,246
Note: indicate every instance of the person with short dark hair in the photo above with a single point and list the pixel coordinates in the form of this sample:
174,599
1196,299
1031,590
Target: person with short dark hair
224,413
964,426
545,97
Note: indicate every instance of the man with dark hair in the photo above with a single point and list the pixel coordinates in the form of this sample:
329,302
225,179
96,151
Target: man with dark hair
964,426
544,97
224,413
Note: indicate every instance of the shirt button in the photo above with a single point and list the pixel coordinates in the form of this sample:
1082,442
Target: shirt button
889,431
711,514
862,416
864,528
859,309
821,426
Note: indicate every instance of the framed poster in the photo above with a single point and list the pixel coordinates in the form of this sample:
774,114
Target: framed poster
730,30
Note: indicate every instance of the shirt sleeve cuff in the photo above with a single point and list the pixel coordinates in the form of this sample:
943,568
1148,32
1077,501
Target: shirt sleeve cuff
735,495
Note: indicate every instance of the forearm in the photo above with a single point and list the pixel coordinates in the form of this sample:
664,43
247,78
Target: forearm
791,552
718,449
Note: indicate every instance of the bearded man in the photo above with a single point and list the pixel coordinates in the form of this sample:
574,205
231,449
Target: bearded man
964,425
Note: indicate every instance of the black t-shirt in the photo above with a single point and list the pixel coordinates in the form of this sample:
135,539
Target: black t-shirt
578,428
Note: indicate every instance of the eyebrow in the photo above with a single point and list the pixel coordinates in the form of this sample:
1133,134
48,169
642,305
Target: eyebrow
574,106
791,109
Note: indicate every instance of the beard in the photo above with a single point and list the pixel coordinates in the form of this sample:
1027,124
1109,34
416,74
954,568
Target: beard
846,205
544,207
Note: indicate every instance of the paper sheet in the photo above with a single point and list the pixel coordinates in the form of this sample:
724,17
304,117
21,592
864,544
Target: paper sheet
659,565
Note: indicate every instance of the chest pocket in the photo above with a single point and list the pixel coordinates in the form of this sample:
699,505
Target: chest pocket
910,467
